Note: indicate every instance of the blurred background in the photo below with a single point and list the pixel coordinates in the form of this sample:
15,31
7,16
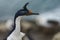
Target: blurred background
8,8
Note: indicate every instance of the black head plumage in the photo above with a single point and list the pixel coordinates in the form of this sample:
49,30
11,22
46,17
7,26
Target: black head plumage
24,11
25,6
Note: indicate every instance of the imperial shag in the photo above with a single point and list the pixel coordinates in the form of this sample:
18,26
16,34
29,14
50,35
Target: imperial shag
15,34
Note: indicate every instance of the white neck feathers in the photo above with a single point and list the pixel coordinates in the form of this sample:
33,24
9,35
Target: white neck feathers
16,34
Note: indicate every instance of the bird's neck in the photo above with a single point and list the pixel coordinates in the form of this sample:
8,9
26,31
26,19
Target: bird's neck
16,34
17,26
17,22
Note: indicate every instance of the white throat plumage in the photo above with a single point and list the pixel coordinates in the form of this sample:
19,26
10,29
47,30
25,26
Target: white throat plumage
16,34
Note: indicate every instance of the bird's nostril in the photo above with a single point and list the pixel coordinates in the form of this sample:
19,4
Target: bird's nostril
53,22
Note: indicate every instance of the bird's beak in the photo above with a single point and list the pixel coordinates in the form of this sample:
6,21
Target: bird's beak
35,14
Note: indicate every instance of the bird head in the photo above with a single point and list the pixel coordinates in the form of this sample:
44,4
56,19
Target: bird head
25,11
29,12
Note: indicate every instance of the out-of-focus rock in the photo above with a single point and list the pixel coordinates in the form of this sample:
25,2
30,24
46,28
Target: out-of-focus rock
26,25
56,36
5,28
9,24
6,25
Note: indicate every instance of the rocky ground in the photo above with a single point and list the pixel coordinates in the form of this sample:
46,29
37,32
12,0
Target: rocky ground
35,34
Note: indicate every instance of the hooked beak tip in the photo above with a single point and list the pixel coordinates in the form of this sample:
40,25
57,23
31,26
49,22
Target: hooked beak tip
35,13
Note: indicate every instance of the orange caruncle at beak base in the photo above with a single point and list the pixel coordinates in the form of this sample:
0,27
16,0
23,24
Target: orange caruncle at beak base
30,12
